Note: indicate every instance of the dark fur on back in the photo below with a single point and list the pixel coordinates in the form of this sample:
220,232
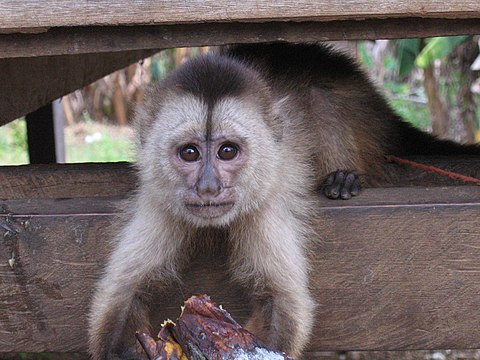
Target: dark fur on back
305,60
329,69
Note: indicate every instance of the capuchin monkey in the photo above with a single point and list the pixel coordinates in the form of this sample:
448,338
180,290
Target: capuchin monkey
240,142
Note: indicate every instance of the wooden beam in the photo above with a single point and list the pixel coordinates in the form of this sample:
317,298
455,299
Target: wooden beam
29,83
66,181
59,130
387,275
41,136
392,277
26,15
94,39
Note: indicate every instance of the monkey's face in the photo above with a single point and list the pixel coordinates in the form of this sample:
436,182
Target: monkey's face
208,163
210,167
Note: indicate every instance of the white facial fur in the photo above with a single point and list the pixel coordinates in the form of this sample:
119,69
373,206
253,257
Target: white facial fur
183,118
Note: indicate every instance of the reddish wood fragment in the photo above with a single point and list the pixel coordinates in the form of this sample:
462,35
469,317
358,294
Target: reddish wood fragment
148,343
166,348
205,330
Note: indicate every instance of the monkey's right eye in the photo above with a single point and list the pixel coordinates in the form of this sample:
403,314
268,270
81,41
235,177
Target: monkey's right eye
189,153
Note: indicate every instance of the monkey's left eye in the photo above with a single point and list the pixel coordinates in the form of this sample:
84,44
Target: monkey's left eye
228,151
189,153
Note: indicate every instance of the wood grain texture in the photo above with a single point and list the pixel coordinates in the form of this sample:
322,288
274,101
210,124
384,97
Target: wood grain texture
66,180
30,14
80,40
397,276
393,277
393,269
29,83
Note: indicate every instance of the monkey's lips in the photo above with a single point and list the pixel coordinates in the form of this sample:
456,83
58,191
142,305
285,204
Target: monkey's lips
209,210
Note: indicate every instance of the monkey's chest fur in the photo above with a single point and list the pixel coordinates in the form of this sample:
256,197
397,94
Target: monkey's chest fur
203,268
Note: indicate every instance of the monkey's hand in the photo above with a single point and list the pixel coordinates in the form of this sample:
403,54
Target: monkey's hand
341,184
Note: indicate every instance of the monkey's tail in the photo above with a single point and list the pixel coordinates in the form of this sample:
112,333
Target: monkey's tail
415,142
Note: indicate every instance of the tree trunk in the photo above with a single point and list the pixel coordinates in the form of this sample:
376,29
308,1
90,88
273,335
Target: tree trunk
118,99
438,110
467,53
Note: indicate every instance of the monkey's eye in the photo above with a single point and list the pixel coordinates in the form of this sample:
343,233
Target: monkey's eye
228,151
189,153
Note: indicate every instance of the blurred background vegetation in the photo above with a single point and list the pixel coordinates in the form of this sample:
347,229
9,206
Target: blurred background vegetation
432,83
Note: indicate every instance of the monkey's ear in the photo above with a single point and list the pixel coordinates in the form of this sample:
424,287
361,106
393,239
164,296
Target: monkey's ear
145,116
146,112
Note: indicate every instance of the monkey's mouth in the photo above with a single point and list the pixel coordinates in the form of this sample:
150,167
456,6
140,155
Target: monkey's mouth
209,210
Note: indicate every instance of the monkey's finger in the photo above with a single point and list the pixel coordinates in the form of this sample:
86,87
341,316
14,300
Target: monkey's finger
351,186
333,190
329,180
356,186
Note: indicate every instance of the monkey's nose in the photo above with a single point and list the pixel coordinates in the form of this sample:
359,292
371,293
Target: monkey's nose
208,187
208,192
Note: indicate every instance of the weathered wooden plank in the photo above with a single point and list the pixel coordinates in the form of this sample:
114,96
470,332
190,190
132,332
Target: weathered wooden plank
66,180
46,304
31,14
379,198
385,277
394,277
28,83
116,179
79,40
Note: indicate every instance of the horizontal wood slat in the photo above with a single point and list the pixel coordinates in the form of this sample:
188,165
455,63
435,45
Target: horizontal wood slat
66,180
393,269
30,14
79,40
29,83
398,277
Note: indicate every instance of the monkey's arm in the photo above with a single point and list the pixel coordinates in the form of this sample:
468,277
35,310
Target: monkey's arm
270,255
115,311
119,305
115,305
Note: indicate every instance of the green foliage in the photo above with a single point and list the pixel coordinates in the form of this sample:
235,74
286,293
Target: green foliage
365,57
438,48
108,151
162,64
407,52
410,106
89,142
98,146
409,101
13,143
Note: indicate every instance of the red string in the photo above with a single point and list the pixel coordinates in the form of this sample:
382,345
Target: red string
450,174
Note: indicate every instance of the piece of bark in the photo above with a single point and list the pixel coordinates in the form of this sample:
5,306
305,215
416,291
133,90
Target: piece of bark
205,331
166,348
